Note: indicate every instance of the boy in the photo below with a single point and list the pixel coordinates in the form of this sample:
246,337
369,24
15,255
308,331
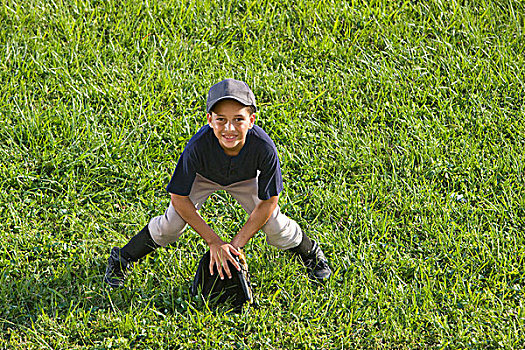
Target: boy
230,153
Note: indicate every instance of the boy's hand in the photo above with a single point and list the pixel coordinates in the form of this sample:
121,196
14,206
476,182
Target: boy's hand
220,251
220,254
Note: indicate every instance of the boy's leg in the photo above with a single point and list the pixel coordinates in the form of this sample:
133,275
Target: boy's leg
159,232
139,246
166,229
283,232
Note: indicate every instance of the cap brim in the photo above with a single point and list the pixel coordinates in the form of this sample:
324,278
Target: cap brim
243,102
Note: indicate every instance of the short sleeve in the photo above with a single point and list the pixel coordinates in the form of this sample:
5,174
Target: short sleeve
270,181
184,174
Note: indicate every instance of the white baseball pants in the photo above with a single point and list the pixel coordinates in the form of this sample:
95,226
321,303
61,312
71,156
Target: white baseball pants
281,231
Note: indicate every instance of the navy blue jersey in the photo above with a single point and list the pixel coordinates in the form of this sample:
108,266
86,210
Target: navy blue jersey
204,155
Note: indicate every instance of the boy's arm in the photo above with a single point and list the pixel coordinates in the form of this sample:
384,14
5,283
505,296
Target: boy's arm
257,219
220,251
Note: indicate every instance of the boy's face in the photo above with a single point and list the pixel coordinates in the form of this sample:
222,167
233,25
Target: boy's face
230,122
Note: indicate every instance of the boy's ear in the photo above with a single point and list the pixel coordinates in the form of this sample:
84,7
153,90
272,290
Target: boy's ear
252,120
208,117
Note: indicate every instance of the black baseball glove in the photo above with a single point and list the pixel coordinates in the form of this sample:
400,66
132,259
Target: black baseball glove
236,290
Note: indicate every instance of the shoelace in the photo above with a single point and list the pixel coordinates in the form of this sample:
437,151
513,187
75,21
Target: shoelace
117,268
322,263
313,262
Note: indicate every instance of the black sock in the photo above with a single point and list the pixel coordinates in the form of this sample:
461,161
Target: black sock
304,247
139,246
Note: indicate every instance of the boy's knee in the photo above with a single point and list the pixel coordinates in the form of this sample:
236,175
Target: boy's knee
282,232
274,227
166,229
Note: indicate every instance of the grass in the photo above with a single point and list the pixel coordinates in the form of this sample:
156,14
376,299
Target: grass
400,128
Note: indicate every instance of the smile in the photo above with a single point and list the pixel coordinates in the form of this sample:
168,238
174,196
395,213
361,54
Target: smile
229,137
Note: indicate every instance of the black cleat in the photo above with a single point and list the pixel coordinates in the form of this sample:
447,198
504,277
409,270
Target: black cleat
316,264
117,269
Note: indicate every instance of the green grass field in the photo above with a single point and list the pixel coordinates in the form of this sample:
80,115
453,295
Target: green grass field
401,132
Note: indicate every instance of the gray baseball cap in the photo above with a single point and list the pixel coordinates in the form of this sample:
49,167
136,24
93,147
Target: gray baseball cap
230,88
